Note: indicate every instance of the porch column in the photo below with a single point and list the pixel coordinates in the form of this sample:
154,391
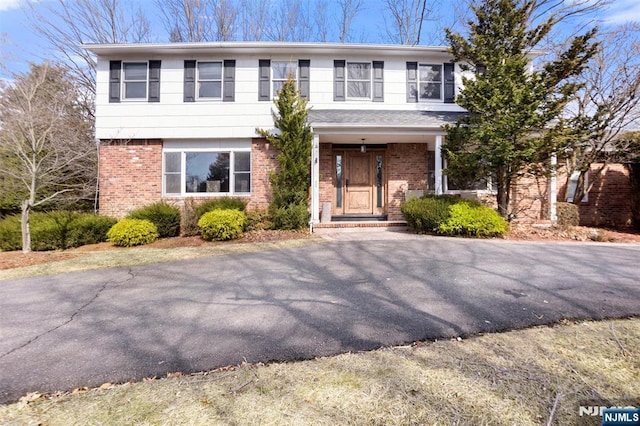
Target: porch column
438,169
315,179
553,189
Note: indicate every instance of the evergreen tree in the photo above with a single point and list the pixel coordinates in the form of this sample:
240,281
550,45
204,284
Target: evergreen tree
510,105
290,183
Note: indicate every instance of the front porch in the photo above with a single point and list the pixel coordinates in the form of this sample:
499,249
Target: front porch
364,165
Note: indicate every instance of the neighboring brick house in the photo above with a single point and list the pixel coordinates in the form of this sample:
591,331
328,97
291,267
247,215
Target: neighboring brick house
178,120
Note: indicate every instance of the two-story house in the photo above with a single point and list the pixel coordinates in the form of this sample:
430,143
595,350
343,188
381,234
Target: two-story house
178,120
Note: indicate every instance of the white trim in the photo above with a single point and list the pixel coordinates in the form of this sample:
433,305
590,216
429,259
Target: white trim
553,189
438,168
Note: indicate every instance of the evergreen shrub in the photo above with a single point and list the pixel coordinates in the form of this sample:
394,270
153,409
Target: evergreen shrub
473,220
291,217
55,230
132,232
222,225
425,214
162,214
222,203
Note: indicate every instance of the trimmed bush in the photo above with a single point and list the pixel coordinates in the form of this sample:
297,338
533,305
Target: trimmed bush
291,217
258,220
425,214
222,203
568,214
55,230
10,234
132,232
89,229
165,216
189,219
222,225
473,220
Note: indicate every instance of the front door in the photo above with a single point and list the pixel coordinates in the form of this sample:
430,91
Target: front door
359,184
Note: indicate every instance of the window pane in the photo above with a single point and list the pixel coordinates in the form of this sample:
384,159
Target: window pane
359,89
210,89
358,71
339,181
242,161
430,90
277,86
243,182
172,183
281,70
379,181
430,73
135,71
135,90
172,162
207,172
209,70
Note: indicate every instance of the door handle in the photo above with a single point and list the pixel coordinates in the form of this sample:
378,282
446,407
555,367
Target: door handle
346,182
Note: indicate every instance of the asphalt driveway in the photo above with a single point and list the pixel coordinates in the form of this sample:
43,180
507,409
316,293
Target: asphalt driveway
84,329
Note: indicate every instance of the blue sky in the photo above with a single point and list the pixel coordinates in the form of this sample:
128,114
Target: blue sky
21,45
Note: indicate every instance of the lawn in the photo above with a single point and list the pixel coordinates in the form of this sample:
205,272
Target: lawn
527,377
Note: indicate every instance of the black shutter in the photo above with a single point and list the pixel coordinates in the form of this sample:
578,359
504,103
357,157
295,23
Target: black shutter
303,77
229,81
115,68
378,81
264,78
449,84
154,81
481,69
412,82
339,81
190,81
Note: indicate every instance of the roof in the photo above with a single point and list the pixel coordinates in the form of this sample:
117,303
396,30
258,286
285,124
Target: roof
381,118
262,47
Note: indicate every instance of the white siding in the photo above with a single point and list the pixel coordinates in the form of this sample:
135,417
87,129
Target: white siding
172,118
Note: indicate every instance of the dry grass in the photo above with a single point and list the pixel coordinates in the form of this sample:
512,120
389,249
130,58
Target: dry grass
511,378
86,260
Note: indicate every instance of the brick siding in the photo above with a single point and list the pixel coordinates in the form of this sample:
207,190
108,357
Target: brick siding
130,175
406,170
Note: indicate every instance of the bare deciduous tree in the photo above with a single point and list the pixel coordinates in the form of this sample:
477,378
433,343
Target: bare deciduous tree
225,20
348,10
254,16
67,24
607,105
407,18
46,149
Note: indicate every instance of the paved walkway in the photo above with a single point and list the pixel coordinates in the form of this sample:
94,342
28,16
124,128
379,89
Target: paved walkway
84,329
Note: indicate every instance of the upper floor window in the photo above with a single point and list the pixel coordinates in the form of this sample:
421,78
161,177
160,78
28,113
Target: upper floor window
134,80
209,80
280,72
430,81
273,74
359,80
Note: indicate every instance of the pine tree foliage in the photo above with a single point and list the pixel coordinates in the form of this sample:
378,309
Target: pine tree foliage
511,105
290,183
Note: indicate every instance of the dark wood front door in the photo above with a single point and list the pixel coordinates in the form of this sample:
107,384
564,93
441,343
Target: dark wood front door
359,183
